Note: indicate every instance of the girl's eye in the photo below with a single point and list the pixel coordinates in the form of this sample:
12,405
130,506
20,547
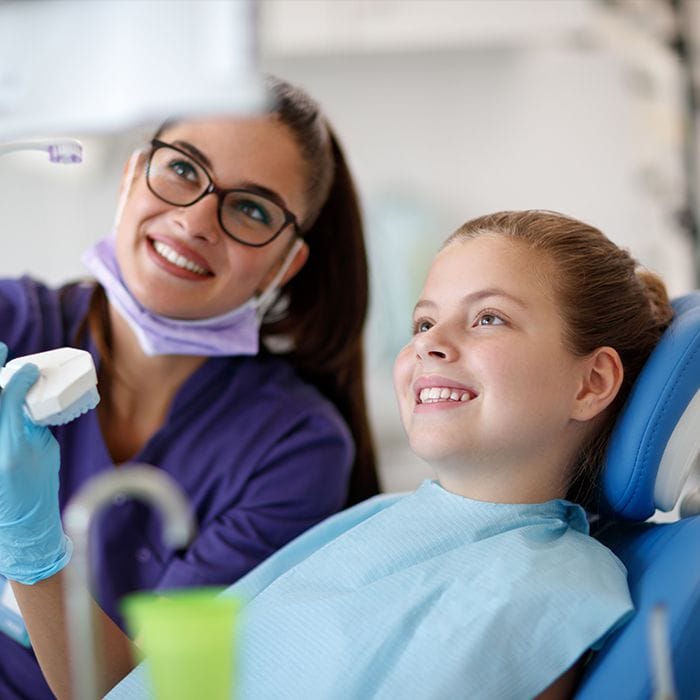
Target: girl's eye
421,326
489,319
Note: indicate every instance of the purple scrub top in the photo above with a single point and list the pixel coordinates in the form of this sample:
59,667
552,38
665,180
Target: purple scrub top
261,455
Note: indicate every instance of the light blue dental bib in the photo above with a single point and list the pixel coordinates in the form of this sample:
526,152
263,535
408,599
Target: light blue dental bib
429,595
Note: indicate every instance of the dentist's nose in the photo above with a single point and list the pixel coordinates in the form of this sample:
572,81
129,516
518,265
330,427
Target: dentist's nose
201,219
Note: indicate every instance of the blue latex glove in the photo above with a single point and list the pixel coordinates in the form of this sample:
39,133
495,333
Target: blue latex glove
33,545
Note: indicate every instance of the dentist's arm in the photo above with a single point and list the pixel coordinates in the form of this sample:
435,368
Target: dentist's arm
44,615
33,547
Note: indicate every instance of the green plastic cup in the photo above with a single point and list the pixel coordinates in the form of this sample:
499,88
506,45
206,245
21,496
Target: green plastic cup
188,640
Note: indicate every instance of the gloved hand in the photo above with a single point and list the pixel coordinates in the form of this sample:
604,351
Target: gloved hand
33,545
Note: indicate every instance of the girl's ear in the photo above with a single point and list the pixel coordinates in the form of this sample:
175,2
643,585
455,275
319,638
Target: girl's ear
600,382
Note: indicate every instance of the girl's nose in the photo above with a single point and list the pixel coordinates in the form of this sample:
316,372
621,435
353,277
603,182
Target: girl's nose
434,344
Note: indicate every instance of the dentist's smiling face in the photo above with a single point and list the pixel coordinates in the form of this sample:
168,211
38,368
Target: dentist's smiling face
486,383
177,261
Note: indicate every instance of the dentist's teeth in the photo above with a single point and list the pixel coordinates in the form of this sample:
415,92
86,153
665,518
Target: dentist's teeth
175,258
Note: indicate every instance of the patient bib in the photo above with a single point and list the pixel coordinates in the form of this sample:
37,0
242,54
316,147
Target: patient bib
429,595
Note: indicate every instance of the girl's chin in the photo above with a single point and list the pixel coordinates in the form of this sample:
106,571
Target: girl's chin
435,455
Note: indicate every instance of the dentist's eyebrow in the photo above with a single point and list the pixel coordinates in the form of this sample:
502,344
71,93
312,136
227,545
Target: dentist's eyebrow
194,152
474,297
248,185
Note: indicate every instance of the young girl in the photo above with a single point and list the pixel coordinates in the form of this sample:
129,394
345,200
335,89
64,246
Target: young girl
251,400
483,583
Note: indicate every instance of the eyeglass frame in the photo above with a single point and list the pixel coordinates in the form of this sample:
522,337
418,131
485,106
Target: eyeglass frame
213,188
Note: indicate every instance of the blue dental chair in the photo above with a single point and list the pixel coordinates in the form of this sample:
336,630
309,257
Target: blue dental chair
652,463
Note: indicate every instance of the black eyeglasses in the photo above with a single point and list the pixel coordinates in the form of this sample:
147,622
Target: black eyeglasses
253,219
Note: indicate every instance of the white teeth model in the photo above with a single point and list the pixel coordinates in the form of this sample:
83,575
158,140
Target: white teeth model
435,394
165,251
66,387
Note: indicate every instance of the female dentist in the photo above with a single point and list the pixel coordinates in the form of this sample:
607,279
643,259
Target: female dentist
251,399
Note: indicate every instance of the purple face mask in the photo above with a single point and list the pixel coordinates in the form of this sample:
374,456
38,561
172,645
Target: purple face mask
236,332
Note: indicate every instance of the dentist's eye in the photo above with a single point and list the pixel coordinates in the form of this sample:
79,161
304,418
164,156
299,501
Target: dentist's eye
421,325
246,210
254,211
488,318
184,169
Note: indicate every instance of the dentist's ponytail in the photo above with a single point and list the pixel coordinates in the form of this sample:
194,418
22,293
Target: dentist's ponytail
327,300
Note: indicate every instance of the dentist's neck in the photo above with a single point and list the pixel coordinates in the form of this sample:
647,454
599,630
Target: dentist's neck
134,369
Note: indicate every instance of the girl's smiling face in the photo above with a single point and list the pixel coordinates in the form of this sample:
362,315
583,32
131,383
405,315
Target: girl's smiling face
177,261
486,387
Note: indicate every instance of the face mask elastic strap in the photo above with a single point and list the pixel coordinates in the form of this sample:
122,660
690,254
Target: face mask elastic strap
269,295
130,170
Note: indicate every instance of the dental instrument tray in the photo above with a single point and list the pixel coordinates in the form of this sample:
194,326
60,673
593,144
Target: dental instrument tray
66,387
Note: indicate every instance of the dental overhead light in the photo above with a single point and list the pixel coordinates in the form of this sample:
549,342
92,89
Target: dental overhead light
73,66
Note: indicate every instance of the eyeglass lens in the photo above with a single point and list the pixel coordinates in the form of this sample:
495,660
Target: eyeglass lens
245,216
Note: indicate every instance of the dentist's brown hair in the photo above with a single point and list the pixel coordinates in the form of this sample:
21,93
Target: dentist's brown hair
327,300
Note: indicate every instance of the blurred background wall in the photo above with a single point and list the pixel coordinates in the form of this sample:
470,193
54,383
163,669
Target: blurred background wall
447,109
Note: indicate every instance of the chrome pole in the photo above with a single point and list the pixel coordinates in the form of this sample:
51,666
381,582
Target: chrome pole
138,480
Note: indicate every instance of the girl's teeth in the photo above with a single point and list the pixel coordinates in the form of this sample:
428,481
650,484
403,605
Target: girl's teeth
435,394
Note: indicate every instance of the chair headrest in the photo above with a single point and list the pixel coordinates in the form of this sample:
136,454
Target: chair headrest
656,440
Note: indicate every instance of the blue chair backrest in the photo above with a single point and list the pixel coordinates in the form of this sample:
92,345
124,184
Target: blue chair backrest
652,454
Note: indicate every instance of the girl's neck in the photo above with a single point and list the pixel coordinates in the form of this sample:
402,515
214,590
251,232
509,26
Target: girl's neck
494,485
529,473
